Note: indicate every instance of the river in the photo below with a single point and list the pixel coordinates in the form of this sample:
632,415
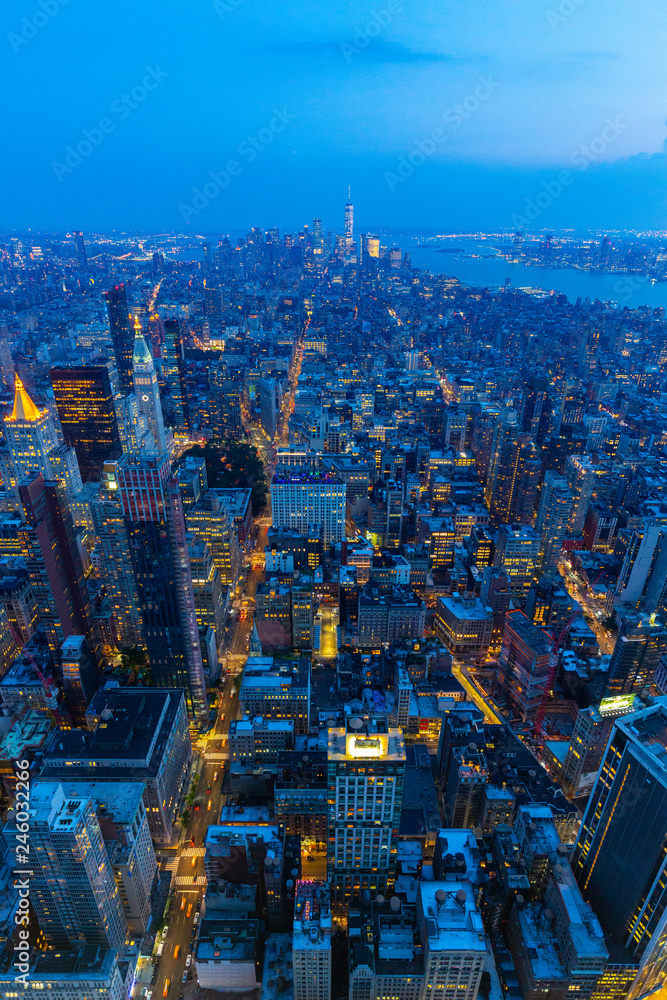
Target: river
491,272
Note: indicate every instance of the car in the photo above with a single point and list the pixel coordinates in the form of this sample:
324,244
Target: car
183,897
177,948
165,991
215,776
310,858
197,807
209,805
185,977
196,918
208,791
188,961
187,915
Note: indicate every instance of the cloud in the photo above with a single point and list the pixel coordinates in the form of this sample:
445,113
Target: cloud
377,49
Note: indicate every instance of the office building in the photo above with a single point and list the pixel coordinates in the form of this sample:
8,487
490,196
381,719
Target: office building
34,446
228,954
389,616
80,245
80,677
514,470
301,497
349,228
589,739
85,403
464,624
210,522
300,796
258,740
366,762
640,644
639,548
279,690
619,859
173,374
517,553
133,734
54,563
579,473
268,414
302,612
122,337
73,974
273,615
147,391
552,520
153,511
73,891
311,941
524,665
113,561
224,405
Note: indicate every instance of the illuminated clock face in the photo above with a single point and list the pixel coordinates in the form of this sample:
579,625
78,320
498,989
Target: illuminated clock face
145,398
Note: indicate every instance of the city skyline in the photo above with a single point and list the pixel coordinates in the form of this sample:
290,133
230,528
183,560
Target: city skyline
323,99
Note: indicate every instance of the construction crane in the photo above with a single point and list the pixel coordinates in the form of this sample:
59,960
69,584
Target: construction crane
553,667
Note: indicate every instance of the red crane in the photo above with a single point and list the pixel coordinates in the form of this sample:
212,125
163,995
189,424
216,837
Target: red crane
553,666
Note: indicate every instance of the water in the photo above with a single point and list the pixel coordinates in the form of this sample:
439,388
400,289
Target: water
624,289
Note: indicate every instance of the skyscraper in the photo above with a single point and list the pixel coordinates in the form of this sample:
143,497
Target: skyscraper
511,485
266,389
366,762
122,336
172,370
84,398
34,445
349,226
524,664
552,520
80,249
619,859
56,572
153,510
72,888
224,404
640,645
147,390
311,944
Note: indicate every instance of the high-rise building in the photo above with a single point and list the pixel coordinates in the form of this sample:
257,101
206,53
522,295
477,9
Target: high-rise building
268,414
579,474
643,544
34,446
301,497
122,337
72,887
80,245
589,739
514,469
349,226
153,510
173,372
147,391
366,761
48,544
279,690
619,859
302,613
224,405
517,552
85,402
311,942
640,645
553,515
524,664
136,734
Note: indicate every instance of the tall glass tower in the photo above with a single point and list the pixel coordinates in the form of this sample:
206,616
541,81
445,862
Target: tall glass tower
122,336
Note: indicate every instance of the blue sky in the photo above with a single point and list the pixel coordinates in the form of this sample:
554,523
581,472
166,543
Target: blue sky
451,115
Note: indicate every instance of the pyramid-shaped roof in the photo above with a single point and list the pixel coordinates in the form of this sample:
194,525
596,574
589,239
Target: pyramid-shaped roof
24,408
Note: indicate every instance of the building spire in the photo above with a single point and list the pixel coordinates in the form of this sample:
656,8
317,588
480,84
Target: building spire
24,408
